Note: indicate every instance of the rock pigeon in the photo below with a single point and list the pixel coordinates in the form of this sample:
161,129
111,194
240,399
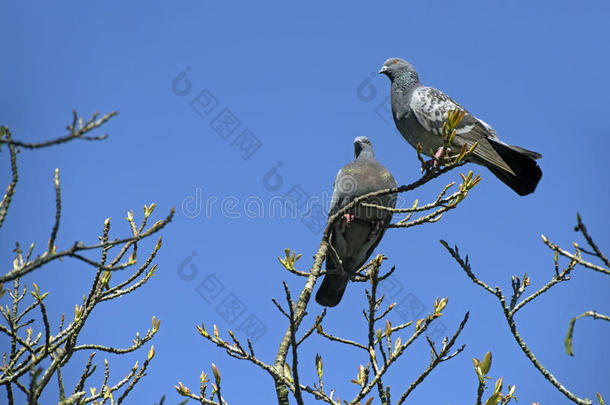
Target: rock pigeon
419,113
356,234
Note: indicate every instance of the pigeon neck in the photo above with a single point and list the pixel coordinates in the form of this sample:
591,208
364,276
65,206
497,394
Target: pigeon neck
366,153
406,78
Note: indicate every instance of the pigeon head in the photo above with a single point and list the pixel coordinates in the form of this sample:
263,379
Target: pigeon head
363,147
399,70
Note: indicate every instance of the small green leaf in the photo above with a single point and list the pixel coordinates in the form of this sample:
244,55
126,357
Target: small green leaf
498,386
486,364
319,369
568,340
217,373
494,399
287,372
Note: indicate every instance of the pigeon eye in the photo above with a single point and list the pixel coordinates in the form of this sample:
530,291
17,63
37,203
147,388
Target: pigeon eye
394,62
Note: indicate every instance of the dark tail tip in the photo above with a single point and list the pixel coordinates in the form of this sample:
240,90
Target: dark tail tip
331,290
527,172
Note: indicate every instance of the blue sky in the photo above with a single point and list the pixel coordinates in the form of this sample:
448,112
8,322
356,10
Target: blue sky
299,78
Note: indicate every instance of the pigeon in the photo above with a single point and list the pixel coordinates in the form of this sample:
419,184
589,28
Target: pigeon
355,235
419,113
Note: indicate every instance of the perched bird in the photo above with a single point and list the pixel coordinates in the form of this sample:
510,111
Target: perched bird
419,113
356,234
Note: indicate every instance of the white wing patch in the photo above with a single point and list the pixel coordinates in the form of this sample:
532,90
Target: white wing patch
492,132
464,130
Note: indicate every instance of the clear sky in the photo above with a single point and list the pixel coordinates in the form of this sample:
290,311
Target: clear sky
300,79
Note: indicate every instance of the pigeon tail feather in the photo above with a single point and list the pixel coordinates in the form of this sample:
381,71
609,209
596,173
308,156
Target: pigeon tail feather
527,173
530,153
331,290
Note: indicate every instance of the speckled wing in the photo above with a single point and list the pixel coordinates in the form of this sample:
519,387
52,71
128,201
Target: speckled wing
430,106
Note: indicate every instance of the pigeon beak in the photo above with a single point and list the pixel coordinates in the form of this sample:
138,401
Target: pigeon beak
383,69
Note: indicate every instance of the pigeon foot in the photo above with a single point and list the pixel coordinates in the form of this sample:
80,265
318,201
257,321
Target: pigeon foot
440,158
347,219
376,226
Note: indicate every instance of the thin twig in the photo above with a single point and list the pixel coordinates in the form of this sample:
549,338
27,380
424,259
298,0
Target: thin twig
10,190
570,334
75,133
295,371
51,245
78,246
575,257
318,320
442,356
508,314
583,229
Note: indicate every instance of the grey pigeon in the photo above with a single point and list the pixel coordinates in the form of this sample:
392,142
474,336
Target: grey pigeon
419,113
356,234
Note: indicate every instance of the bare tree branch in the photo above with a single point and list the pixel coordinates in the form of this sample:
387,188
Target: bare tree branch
41,356
509,314
437,358
583,229
10,190
297,311
77,129
570,334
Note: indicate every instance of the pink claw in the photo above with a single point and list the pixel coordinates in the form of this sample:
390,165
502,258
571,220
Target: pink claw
438,156
347,219
436,160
